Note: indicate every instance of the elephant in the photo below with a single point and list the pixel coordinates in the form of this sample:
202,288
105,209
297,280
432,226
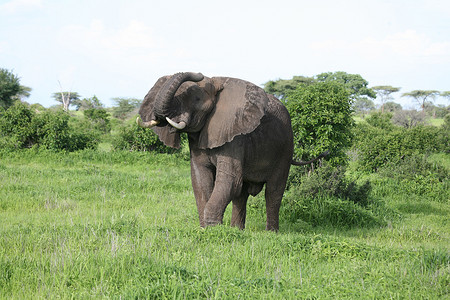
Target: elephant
240,138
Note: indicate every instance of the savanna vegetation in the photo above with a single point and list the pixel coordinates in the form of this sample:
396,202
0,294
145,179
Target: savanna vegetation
92,206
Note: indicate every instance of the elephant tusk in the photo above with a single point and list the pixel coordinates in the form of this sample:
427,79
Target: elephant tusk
176,125
149,124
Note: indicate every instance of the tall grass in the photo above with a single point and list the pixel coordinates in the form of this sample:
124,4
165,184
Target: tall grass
124,225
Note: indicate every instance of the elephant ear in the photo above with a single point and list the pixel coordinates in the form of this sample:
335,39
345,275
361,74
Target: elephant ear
166,134
240,106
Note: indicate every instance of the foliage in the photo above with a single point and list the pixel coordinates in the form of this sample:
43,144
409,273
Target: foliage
422,96
282,87
321,120
354,83
9,88
363,105
20,128
392,106
384,93
329,181
380,120
408,118
87,103
125,106
135,138
380,143
439,111
66,98
99,118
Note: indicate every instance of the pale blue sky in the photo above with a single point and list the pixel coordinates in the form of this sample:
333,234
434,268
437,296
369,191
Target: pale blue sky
112,48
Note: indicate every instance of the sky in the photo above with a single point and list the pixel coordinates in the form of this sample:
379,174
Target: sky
112,48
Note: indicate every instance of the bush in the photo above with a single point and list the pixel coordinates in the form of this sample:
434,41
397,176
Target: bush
417,177
321,120
21,128
327,197
98,118
329,181
135,138
377,146
380,120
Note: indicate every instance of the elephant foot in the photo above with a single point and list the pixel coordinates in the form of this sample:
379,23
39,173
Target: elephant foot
212,218
212,223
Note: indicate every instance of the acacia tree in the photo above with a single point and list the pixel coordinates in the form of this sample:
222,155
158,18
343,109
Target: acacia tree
281,87
66,98
384,93
87,103
354,83
422,96
124,106
445,94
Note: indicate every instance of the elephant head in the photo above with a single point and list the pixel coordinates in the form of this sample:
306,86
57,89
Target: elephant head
217,109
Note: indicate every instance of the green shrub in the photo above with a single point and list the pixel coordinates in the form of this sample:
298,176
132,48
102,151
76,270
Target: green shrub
135,138
376,147
327,197
99,119
329,181
418,177
21,128
380,120
321,120
15,127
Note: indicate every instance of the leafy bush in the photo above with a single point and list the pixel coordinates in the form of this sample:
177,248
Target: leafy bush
321,120
327,197
329,181
99,118
21,128
135,138
416,176
378,146
380,120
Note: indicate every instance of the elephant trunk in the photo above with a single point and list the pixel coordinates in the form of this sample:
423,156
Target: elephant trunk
163,107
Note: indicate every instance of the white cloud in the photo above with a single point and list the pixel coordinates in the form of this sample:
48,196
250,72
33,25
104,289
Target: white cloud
14,6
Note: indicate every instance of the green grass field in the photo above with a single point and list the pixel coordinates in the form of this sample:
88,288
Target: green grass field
124,225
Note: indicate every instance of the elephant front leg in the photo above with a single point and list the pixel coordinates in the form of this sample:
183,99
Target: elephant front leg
202,183
227,186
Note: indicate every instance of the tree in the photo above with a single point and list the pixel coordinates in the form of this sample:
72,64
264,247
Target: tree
384,93
363,105
124,106
391,106
422,96
66,98
9,88
321,117
87,103
281,87
354,83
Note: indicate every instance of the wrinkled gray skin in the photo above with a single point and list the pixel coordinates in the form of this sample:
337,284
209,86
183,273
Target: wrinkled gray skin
240,138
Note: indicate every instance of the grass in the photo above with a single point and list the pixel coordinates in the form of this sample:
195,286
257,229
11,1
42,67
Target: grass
124,225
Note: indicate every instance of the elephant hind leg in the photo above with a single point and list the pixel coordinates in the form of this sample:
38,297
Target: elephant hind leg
239,210
274,194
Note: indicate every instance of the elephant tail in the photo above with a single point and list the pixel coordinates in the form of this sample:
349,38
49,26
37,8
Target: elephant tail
302,163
